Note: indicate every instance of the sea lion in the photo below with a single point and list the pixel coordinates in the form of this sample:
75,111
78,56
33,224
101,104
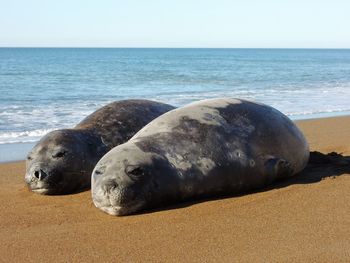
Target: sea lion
205,149
62,161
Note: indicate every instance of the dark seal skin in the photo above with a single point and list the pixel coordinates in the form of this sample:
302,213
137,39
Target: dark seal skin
206,149
62,161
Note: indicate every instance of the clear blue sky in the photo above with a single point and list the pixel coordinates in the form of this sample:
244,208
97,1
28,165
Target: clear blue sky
176,23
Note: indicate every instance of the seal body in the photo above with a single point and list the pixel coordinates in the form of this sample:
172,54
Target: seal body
62,161
205,149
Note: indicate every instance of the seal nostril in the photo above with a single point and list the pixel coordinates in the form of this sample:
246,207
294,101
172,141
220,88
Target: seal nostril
37,174
40,174
110,186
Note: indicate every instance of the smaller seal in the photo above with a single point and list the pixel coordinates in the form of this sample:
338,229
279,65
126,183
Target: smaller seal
62,161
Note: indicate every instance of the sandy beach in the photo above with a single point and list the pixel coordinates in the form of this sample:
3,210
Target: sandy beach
303,219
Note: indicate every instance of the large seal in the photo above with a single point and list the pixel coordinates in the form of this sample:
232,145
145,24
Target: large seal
205,149
62,161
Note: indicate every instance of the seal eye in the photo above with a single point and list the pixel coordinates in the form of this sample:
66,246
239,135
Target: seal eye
59,154
134,171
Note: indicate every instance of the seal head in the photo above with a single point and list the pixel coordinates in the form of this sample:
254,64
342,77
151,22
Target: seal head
58,163
127,180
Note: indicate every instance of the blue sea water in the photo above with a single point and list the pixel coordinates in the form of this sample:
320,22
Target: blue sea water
42,89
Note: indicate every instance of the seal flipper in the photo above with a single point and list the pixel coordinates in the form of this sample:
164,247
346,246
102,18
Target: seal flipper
277,168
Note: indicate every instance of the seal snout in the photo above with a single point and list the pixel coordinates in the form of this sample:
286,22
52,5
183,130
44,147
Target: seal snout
37,173
114,198
37,179
110,185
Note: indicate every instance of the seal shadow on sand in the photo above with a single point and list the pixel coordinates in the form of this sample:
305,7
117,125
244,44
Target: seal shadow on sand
320,166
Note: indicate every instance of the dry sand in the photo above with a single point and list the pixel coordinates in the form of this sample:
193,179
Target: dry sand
304,219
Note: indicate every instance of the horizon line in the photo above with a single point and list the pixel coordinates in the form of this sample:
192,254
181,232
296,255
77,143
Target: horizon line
125,47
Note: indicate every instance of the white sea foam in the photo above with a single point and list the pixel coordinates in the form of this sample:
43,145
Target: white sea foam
29,123
23,136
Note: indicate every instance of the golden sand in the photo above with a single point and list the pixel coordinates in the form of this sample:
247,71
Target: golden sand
303,219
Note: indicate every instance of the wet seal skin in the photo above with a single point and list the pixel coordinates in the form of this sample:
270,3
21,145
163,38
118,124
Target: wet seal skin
62,161
205,149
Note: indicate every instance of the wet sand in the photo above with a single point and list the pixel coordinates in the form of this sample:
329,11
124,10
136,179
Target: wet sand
303,219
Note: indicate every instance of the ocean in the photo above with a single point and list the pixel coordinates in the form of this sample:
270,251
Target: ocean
42,89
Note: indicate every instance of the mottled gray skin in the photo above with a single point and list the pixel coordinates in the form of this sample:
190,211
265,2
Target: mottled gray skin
205,149
62,161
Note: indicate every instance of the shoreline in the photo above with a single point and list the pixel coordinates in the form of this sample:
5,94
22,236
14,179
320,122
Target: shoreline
14,152
25,147
302,219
